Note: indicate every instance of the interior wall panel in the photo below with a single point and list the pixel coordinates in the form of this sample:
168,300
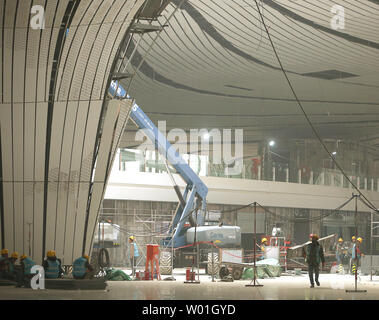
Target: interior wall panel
114,121
18,173
64,172
73,225
29,155
54,174
7,165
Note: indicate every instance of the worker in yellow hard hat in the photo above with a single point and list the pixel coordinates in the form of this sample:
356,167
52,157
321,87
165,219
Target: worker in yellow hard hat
82,268
25,274
16,268
339,248
133,254
263,248
356,255
14,257
6,268
314,255
52,266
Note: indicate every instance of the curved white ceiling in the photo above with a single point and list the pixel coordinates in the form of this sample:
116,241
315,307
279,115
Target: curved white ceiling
213,66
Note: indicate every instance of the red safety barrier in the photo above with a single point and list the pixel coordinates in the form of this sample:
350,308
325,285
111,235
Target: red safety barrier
152,258
190,276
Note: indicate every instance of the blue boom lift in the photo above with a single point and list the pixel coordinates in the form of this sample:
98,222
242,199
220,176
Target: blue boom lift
192,203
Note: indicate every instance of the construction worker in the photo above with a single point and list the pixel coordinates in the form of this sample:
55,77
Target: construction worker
82,268
351,246
356,255
13,258
25,276
16,269
6,266
263,248
134,254
52,266
339,254
314,254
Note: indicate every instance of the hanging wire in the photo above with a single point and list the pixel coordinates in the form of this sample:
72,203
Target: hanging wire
305,114
311,219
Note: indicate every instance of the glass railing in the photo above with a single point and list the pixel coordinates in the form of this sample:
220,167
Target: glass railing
133,161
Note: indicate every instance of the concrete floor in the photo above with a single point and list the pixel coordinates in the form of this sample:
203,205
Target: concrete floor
286,287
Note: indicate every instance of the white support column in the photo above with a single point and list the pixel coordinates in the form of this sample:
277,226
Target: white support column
311,178
259,172
287,175
299,176
359,182
322,178
273,173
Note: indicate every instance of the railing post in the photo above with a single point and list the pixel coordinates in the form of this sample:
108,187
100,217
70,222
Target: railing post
299,176
311,178
287,175
273,173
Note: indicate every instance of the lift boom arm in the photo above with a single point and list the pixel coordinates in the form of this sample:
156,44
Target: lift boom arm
196,191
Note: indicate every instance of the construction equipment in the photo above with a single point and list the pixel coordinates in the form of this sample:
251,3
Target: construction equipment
188,223
107,236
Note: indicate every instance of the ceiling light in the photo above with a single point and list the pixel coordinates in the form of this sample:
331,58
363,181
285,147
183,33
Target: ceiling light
271,143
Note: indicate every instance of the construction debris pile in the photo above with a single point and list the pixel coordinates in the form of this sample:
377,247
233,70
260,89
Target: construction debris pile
266,268
116,275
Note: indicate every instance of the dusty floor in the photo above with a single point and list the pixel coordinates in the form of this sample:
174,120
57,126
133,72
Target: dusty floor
286,287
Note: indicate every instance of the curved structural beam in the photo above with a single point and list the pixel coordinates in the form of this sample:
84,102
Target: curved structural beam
57,135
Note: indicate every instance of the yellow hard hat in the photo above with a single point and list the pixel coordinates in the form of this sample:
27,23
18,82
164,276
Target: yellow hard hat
359,239
353,238
264,240
86,256
14,255
23,257
51,253
340,239
131,238
4,251
314,236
